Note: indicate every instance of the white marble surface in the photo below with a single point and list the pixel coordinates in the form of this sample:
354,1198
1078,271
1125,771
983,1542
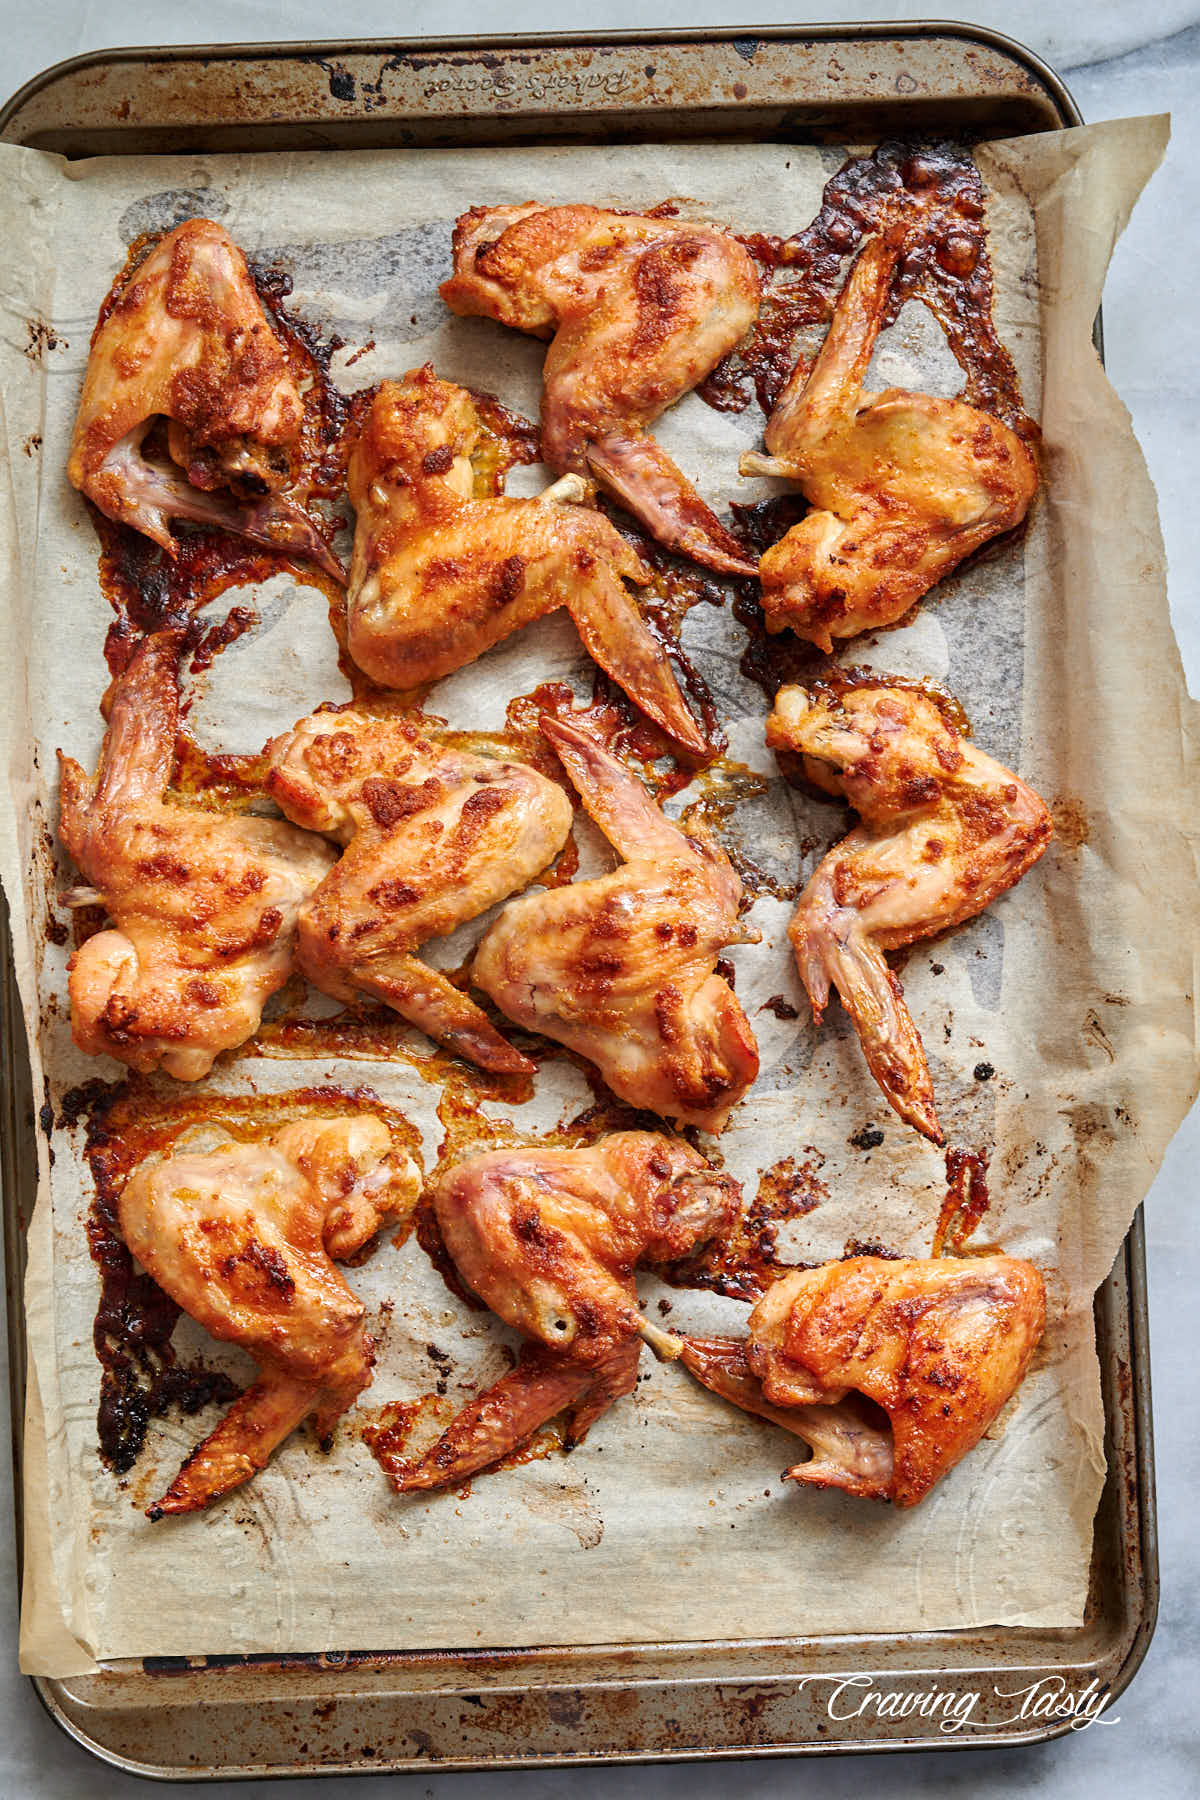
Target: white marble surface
1118,59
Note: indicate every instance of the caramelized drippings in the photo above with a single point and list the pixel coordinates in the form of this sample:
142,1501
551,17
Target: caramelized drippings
724,787
746,1262
928,199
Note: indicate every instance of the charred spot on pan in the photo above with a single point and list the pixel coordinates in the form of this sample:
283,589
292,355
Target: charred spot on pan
869,1137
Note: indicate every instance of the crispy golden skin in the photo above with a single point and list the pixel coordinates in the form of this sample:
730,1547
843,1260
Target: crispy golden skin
433,838
203,904
187,340
640,310
939,1346
242,1239
622,968
902,486
944,830
442,570
550,1239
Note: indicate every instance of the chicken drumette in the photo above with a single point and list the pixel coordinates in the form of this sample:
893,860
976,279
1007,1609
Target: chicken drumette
639,310
550,1240
242,1239
433,838
186,340
203,904
944,830
622,968
902,485
444,567
889,1370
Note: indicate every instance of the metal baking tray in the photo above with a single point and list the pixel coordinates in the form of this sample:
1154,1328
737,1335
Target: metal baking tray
375,1710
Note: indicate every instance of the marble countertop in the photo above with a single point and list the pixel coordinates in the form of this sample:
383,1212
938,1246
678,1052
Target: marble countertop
1118,60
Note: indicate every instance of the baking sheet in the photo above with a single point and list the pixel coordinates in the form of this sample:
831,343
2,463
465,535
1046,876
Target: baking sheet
670,1524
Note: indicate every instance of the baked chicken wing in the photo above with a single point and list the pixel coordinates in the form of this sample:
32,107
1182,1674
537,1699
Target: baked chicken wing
944,830
622,968
550,1240
444,567
203,904
433,838
243,1238
902,486
640,310
891,1371
186,340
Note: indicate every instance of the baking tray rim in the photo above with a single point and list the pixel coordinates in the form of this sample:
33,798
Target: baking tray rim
312,49
1131,1257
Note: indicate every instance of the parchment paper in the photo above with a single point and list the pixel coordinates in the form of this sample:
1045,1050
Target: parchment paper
1077,988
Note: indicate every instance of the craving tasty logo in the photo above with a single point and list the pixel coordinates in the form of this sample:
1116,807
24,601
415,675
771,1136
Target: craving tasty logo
1048,1698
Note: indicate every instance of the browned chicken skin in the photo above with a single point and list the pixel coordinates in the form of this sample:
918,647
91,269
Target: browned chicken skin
242,1239
622,968
639,310
944,830
203,904
187,341
937,1346
433,838
444,567
550,1239
902,486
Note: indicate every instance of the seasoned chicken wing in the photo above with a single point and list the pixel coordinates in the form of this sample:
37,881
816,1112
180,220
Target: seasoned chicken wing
433,838
186,340
639,310
944,830
242,1239
890,1370
203,904
622,968
902,486
444,567
550,1239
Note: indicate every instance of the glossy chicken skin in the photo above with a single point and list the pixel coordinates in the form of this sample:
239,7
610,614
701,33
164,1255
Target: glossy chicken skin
187,340
203,904
944,830
444,567
937,1346
550,1240
244,1238
622,968
902,486
639,310
433,837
